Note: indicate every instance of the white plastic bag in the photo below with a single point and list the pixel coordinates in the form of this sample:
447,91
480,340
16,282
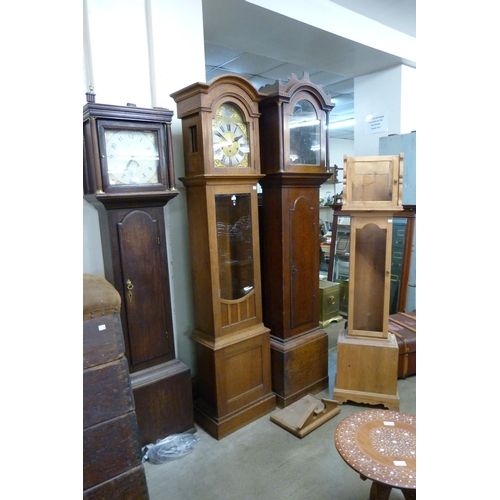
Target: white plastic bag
170,448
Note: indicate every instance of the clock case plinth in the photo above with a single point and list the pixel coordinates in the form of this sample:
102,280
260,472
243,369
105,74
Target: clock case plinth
290,244
133,240
233,383
367,353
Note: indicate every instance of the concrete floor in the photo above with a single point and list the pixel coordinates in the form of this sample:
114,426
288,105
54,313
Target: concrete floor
264,461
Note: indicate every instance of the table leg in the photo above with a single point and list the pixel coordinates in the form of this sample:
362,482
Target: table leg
380,491
409,494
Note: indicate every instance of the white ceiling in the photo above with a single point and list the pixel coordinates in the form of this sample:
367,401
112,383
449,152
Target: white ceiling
264,46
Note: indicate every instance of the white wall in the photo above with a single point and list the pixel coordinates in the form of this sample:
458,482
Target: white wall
132,53
408,100
390,93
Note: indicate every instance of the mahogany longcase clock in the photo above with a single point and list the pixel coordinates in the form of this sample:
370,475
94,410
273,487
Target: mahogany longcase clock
220,126
367,353
294,159
128,178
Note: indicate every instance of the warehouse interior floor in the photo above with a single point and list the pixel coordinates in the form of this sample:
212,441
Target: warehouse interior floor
264,461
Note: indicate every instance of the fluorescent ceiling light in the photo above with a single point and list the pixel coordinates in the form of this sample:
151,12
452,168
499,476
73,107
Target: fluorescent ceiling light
341,124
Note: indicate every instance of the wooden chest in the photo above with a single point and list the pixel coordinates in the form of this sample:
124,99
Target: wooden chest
404,327
112,458
329,300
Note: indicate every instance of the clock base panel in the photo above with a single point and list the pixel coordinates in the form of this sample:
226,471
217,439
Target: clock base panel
299,366
154,391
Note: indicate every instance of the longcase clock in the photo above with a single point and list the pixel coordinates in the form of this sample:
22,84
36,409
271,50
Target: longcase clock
220,130
294,159
128,178
367,353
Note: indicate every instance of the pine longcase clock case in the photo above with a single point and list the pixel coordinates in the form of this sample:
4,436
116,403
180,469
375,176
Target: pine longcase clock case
128,178
220,130
367,353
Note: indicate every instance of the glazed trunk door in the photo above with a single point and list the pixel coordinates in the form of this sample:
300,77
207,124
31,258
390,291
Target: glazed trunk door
140,249
304,264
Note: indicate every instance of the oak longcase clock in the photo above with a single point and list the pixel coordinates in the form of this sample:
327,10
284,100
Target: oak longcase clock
128,178
294,158
220,131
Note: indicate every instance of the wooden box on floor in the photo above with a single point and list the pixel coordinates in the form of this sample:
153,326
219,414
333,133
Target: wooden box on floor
366,370
112,458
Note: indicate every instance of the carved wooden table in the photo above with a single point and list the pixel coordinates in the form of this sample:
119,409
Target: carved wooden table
381,446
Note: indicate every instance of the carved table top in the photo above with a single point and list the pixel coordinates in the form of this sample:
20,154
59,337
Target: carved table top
380,445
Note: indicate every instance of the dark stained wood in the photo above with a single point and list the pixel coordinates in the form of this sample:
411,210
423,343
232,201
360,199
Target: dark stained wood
134,248
290,242
163,400
130,485
110,448
107,392
134,245
99,348
111,452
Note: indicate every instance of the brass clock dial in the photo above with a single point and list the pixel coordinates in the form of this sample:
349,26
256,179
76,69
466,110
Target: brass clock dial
230,137
132,156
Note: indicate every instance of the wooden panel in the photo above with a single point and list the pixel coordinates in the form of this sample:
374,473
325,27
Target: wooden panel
234,380
304,263
369,278
163,401
233,312
144,302
367,365
102,340
369,274
130,485
110,449
240,383
373,182
107,392
299,366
